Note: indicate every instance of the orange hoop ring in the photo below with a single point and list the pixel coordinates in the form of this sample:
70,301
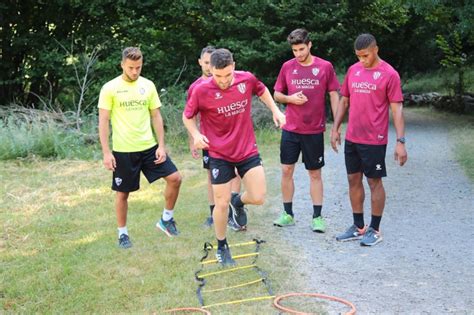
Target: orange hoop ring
188,309
276,302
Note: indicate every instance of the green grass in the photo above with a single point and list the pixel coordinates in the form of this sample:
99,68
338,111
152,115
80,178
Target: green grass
439,81
58,247
59,250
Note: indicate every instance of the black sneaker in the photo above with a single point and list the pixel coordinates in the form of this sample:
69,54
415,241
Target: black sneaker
238,213
231,224
224,257
124,241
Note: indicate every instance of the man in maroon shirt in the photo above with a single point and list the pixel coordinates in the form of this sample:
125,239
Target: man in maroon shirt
370,88
224,104
302,85
205,64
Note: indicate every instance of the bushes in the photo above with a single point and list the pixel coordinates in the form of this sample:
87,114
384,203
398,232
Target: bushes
29,132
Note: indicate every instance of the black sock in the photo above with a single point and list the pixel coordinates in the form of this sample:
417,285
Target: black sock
211,207
221,244
375,222
237,201
317,211
358,219
288,206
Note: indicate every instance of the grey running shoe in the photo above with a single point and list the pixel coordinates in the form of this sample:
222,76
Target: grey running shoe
169,227
371,237
352,233
238,213
234,226
124,241
224,257
209,222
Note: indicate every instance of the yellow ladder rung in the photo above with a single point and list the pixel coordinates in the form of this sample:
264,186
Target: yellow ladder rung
234,286
213,261
226,271
241,301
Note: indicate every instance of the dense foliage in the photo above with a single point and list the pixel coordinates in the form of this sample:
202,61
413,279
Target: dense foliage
46,46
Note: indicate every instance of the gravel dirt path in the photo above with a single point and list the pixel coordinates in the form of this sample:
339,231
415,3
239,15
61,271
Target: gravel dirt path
425,265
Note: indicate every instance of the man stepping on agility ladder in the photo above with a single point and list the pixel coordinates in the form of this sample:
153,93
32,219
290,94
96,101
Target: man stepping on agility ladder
224,104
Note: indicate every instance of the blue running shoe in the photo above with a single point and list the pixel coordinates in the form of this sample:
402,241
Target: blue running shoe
169,227
371,237
224,257
124,241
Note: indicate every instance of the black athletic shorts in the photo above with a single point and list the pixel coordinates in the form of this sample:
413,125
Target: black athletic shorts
126,177
223,171
366,158
205,159
311,146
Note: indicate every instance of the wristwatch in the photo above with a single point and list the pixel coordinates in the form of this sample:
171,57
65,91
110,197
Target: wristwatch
401,140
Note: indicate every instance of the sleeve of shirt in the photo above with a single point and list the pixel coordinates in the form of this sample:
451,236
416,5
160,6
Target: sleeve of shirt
105,98
280,84
394,89
345,91
191,109
154,102
333,83
258,86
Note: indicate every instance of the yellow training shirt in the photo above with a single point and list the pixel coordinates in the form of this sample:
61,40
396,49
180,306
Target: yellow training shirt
129,104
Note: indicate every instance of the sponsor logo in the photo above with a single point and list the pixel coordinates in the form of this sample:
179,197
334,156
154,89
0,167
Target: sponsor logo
364,86
242,88
215,172
234,108
118,181
218,96
122,91
295,71
378,167
357,74
142,91
304,82
315,71
380,137
376,75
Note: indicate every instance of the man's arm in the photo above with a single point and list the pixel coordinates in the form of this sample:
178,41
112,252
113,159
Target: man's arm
335,133
104,130
400,154
278,117
297,98
334,100
157,123
200,141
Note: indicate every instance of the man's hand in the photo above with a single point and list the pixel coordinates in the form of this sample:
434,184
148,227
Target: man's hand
160,155
298,98
109,161
194,151
279,119
335,139
400,154
200,141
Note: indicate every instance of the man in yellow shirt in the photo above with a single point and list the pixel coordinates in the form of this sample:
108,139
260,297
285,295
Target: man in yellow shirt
131,103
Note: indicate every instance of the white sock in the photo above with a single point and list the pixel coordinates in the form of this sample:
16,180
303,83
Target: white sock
122,230
167,214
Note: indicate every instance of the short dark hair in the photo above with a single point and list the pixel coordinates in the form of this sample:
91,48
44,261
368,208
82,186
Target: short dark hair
364,41
298,36
221,58
132,53
207,50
